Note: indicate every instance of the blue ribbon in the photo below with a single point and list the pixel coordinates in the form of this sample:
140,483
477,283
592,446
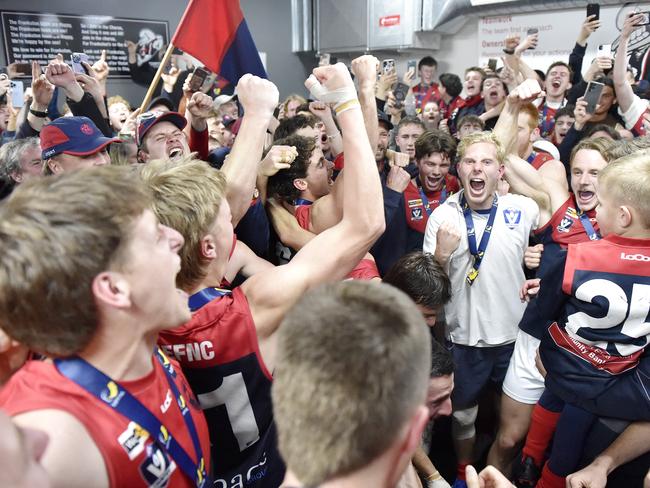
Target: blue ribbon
205,296
589,229
302,201
425,200
112,394
479,252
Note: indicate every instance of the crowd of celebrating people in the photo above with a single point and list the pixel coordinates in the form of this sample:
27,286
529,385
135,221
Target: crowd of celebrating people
234,291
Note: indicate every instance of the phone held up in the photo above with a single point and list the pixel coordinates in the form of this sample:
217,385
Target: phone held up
593,9
592,95
77,60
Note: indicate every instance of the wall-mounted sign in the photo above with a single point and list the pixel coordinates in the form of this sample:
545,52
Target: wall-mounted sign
30,36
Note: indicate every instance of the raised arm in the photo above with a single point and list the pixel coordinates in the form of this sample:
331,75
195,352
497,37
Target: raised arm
259,98
522,177
328,210
624,94
333,253
365,69
633,442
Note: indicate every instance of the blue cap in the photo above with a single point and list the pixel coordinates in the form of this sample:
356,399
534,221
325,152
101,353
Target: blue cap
78,136
148,119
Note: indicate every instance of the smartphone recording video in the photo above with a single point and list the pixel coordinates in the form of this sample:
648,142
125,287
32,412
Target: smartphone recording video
592,95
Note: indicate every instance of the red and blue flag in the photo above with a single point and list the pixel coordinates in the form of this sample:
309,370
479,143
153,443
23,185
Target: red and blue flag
215,33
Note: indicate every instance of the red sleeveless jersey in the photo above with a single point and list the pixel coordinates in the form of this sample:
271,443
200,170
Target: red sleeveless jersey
417,210
219,352
130,456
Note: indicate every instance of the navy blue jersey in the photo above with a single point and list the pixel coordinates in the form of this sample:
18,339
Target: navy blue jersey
599,306
219,353
562,229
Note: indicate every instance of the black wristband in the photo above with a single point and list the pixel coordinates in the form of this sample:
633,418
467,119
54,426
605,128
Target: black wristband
38,114
509,51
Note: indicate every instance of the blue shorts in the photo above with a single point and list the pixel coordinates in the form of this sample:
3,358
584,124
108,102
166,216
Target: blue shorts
474,368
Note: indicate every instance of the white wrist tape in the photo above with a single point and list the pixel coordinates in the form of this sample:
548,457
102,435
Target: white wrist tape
337,97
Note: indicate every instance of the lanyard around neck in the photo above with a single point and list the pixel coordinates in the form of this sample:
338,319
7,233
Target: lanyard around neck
477,252
119,399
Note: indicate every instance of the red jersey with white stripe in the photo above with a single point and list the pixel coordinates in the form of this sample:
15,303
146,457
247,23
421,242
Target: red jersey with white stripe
130,456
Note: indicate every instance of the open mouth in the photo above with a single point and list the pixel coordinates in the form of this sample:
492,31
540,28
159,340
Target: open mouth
477,184
175,152
434,181
556,84
585,195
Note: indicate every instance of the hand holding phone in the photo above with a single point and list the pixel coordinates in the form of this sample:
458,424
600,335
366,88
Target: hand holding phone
387,65
531,32
198,77
77,60
17,94
592,95
400,91
593,9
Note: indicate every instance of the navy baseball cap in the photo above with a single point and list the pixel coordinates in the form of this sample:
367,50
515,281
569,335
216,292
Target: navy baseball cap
383,117
78,136
148,119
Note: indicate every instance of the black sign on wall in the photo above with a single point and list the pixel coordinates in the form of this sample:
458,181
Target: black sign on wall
34,36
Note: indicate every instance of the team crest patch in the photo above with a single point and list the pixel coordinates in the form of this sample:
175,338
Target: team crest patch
157,468
565,224
416,214
512,217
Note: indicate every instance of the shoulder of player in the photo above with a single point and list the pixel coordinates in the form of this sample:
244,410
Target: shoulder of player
67,435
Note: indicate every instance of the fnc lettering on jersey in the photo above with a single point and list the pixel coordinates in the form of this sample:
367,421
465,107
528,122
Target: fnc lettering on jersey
635,257
194,351
610,311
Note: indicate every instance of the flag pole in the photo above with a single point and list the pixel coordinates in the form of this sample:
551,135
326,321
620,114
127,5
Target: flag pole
156,78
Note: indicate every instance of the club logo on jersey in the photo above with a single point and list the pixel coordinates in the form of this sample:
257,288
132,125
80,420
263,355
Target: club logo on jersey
112,394
512,216
565,224
133,440
416,214
157,468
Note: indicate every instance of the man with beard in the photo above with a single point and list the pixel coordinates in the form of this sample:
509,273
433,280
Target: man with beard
478,230
556,84
564,218
383,138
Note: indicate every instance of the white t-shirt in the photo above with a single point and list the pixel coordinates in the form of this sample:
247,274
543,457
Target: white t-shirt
486,313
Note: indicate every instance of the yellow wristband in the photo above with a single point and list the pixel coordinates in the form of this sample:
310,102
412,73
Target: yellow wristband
350,104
